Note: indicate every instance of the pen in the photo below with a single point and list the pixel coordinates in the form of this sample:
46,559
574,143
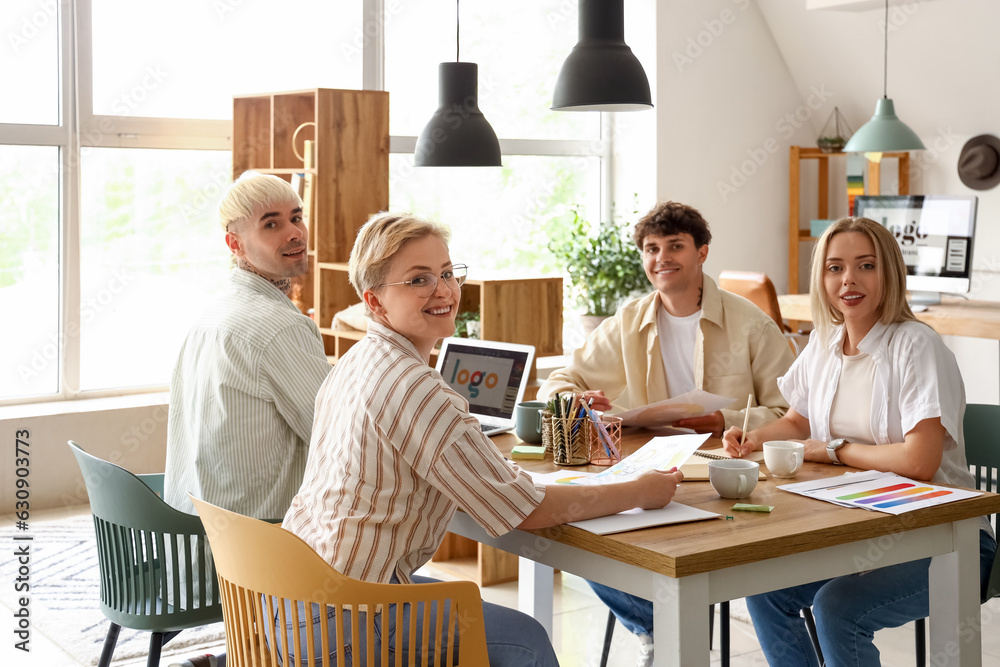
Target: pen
746,422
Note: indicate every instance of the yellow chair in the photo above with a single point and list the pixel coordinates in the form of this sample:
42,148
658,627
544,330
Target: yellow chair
261,566
757,288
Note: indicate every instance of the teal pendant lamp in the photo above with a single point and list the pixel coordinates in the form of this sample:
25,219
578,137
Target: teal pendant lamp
884,133
601,73
458,135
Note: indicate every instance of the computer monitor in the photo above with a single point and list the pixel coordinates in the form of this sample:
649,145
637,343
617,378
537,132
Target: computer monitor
935,233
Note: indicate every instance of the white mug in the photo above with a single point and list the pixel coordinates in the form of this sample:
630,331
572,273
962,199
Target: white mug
733,478
783,457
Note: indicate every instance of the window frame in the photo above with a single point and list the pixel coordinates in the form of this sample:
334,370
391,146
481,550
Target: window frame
79,129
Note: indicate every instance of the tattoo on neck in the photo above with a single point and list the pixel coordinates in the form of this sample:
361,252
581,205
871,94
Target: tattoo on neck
701,291
283,284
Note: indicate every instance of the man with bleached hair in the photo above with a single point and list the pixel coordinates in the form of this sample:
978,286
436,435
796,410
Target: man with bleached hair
245,383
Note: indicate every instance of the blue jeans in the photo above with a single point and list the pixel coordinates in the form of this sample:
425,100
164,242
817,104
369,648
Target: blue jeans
635,613
848,611
513,639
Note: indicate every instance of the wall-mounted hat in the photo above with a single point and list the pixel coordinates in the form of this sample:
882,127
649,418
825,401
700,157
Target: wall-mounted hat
979,163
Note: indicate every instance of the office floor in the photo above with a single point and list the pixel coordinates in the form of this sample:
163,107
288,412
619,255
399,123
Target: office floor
580,620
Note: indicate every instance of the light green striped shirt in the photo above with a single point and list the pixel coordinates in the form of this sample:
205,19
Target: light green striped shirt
241,402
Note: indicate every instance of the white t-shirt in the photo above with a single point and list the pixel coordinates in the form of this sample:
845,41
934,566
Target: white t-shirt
677,339
850,415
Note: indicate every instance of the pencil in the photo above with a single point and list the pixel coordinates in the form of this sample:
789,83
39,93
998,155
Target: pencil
746,422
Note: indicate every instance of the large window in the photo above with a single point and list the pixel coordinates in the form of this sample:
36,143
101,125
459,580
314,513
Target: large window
114,147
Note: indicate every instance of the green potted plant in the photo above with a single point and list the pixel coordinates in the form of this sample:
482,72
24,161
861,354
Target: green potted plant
604,268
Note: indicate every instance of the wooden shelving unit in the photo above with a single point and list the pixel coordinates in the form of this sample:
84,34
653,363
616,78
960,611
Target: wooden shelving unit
350,181
796,233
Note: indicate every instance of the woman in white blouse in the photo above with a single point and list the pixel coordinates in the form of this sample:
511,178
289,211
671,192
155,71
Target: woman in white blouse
878,390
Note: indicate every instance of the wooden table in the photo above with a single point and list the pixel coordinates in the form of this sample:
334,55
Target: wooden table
686,567
951,317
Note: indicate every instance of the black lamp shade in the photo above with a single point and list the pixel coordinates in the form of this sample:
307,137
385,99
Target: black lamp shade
602,73
458,135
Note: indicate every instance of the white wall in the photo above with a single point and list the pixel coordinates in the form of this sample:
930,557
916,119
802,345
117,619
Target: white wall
764,59
130,431
724,96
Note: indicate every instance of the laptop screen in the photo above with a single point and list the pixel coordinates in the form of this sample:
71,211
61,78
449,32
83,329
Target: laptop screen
490,375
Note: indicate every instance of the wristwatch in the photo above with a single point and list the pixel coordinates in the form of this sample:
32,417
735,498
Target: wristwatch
832,447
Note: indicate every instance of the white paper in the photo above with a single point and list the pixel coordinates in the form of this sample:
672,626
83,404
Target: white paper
662,453
694,403
559,476
635,519
879,491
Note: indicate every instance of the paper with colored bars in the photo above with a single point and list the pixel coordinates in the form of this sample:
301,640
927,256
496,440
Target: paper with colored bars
879,491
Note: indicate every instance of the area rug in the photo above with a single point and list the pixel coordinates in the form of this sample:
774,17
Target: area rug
65,595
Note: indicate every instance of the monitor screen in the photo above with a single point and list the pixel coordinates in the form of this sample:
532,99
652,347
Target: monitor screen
935,234
488,377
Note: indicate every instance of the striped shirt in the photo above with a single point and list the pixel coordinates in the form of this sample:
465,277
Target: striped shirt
241,402
394,453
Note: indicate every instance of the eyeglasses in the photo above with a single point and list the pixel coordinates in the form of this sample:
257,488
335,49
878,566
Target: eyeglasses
424,284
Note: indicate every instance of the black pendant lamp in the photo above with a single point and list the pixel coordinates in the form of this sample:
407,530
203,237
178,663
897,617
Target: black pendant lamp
602,73
458,135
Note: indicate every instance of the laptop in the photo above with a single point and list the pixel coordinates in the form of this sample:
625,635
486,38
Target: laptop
489,374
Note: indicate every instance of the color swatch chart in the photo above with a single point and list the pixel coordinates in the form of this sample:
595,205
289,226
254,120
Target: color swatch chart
879,491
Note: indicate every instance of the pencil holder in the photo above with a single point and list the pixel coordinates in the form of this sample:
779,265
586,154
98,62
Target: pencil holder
605,441
547,430
569,441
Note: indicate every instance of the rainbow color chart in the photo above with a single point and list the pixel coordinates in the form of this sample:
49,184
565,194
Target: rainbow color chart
897,494
879,491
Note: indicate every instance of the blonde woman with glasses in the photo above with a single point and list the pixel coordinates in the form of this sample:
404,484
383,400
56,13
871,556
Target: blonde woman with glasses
878,390
395,451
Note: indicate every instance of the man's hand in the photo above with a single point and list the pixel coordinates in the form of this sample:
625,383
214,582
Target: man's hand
655,488
601,402
713,423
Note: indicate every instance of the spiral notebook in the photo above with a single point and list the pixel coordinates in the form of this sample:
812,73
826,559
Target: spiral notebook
695,469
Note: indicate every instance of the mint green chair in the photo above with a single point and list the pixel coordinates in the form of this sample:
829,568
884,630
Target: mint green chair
982,451
157,574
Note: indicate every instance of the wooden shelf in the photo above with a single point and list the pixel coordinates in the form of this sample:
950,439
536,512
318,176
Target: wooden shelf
796,233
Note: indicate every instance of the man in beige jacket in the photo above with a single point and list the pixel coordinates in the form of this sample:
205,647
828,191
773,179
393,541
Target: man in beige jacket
687,334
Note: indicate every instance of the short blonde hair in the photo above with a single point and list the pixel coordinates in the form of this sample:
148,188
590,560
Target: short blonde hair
891,268
250,190
377,243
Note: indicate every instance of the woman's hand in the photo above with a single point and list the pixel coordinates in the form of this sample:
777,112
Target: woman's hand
731,442
656,488
601,402
816,451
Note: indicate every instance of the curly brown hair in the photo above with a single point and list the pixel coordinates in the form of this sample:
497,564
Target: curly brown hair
668,218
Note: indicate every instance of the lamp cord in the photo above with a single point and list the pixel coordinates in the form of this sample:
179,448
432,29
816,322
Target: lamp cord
458,60
885,54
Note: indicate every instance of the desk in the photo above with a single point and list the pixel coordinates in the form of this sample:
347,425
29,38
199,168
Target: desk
689,566
951,317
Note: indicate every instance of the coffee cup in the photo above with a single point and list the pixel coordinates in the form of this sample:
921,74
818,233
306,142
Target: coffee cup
733,478
528,421
783,458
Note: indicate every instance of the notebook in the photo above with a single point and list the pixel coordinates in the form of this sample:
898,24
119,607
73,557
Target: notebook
695,469
491,375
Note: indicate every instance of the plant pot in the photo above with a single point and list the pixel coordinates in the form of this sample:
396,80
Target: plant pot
831,144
